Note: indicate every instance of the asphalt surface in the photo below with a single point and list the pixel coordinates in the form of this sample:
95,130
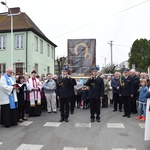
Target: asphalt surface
114,132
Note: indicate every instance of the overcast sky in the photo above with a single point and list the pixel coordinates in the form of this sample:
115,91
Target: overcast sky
121,21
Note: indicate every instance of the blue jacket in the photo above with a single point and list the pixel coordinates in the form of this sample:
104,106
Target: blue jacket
115,82
143,91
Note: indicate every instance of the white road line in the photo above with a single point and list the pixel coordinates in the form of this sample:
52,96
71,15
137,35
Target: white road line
115,125
75,148
88,125
26,123
52,124
1,143
29,147
142,125
124,149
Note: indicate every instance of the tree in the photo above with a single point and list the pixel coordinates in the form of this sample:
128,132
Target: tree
61,62
140,55
109,69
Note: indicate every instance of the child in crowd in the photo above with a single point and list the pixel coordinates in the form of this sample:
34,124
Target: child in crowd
84,97
142,101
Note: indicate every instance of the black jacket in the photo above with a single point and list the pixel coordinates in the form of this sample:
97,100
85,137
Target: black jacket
96,88
63,86
136,81
22,94
128,87
72,87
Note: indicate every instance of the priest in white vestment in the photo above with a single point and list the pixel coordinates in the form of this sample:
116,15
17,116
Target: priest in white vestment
8,99
34,103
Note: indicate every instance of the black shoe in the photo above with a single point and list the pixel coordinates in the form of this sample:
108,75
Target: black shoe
54,111
134,112
72,112
61,120
120,110
124,116
24,119
98,120
66,120
115,110
128,116
92,120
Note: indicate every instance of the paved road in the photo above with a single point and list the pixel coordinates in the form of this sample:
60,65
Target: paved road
45,133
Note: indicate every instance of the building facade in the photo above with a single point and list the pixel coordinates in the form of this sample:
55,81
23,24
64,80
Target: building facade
30,48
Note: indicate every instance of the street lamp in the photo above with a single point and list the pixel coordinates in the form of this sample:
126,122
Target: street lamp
110,42
11,45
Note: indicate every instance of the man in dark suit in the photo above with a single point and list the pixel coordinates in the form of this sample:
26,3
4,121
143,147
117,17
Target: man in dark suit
126,92
64,83
72,99
115,83
136,81
96,93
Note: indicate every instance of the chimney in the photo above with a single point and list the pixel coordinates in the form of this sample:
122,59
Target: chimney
14,10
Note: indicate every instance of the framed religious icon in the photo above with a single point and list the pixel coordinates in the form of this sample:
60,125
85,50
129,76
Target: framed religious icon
81,57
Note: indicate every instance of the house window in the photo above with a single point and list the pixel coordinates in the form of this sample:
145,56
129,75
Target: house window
41,46
19,68
52,52
19,41
2,68
48,69
36,43
36,67
48,50
2,42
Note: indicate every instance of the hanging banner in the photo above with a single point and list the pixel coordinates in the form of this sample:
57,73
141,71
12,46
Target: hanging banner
81,57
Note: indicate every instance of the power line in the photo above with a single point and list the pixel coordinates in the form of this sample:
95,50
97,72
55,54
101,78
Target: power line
101,19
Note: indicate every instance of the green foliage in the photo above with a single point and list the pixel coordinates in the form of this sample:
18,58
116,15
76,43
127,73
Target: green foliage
140,55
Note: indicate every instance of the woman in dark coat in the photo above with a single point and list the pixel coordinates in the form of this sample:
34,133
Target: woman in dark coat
21,95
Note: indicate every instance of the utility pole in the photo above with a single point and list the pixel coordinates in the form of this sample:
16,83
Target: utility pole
110,42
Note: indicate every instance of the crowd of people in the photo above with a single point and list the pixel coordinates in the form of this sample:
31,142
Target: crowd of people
29,95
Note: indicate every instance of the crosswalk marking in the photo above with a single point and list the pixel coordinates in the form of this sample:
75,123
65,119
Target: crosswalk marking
124,149
26,123
75,148
29,147
52,124
142,125
83,125
115,125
